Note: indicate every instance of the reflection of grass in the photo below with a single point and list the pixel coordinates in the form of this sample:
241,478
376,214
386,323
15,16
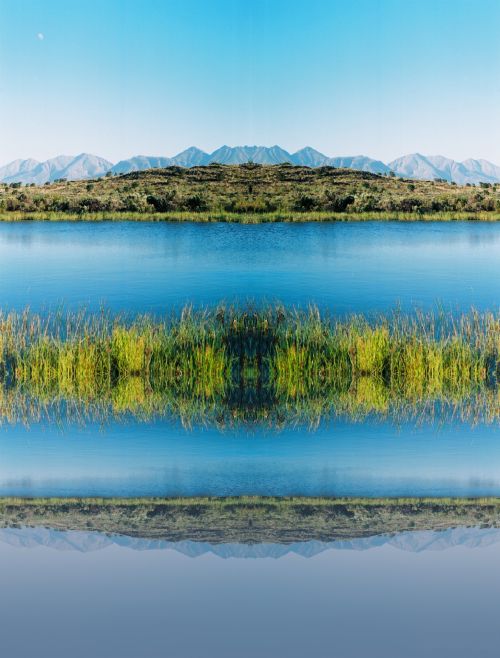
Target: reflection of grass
250,519
232,364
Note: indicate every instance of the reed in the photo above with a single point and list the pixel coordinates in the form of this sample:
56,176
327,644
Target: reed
249,364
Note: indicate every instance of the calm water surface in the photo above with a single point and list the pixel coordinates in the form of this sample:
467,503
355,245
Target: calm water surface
139,267
343,458
400,596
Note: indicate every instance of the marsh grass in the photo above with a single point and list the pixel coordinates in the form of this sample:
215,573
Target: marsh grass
271,365
222,216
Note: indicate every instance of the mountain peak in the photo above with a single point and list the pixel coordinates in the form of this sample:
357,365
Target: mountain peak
87,165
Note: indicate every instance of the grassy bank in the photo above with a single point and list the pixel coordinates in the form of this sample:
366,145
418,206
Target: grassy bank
250,193
250,218
250,519
265,364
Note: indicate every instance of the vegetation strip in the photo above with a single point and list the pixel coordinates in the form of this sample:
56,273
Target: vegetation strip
247,361
250,193
250,519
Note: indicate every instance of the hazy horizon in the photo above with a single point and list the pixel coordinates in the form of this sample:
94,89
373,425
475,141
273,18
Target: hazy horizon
118,79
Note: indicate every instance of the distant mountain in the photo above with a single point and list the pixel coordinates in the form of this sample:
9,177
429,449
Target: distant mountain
430,167
191,157
309,157
85,166
63,166
483,170
257,154
140,163
361,163
16,169
41,172
415,165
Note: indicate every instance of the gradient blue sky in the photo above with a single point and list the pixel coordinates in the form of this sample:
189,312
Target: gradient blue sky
122,77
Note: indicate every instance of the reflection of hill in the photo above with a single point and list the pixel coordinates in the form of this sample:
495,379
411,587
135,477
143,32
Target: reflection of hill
283,521
415,542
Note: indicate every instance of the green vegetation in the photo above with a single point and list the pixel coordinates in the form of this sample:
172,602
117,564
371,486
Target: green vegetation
249,193
245,365
250,519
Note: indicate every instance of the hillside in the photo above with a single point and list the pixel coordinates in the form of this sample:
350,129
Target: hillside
239,191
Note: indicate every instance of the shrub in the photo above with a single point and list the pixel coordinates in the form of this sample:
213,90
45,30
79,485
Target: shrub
195,203
162,202
338,202
305,203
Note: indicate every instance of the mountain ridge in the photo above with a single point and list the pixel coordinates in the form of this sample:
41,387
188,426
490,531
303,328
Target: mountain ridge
414,165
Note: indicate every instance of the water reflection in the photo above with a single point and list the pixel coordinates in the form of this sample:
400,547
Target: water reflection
369,400
436,454
411,541
381,602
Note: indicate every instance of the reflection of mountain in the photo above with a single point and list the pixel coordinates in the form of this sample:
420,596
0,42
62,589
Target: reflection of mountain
414,542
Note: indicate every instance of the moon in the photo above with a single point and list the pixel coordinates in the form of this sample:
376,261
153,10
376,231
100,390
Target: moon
40,36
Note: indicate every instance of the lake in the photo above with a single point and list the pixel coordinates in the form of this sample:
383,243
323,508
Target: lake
424,590
345,267
374,458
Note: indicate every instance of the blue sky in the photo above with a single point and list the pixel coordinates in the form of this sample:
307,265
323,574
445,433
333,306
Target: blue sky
122,77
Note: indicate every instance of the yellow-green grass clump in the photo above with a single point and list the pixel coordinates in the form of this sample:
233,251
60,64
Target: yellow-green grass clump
241,362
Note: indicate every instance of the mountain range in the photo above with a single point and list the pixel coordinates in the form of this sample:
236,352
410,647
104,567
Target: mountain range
414,166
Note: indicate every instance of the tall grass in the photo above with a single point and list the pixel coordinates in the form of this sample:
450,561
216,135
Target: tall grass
285,216
270,363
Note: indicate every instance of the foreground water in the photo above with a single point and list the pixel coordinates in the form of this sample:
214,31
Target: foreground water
343,458
138,267
387,593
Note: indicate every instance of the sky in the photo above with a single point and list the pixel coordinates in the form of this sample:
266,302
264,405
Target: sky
377,77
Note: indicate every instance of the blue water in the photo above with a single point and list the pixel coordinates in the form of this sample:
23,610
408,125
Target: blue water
406,597
137,267
342,458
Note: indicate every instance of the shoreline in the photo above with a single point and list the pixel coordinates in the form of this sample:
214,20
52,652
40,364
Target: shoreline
249,218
